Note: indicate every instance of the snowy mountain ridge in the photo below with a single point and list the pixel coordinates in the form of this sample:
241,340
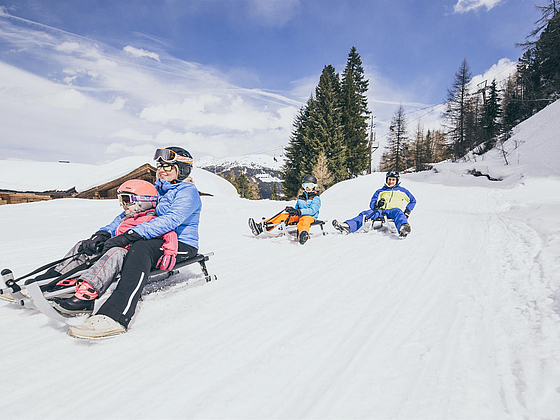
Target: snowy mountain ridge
250,161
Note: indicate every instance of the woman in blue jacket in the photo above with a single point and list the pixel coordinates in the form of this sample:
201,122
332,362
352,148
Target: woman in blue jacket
304,213
178,209
391,200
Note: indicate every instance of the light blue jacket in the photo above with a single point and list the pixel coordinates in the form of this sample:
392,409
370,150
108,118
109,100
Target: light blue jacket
178,209
309,204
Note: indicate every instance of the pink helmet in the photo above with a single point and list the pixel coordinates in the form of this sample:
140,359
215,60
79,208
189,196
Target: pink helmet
142,194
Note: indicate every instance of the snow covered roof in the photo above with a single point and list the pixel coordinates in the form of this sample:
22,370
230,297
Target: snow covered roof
25,175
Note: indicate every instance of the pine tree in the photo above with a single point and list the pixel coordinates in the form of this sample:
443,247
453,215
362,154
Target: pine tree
321,171
295,152
439,148
397,143
548,56
354,114
491,113
326,133
538,70
511,105
473,129
456,112
275,195
420,150
247,188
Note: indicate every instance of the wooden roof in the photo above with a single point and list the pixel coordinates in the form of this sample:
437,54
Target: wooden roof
145,172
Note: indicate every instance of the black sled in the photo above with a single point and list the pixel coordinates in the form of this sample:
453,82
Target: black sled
36,295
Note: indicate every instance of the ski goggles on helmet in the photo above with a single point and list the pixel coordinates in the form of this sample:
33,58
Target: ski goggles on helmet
126,199
169,156
309,185
167,167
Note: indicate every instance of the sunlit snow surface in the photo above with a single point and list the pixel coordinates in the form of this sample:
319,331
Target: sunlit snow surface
459,320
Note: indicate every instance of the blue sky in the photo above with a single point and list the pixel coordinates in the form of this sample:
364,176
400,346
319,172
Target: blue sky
90,81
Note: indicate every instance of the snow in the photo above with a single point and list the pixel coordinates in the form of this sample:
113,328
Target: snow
24,175
459,320
251,161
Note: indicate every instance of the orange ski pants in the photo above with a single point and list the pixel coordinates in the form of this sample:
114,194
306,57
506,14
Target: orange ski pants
303,222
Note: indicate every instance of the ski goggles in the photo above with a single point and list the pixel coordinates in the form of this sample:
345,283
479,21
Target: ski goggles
169,156
309,185
126,199
167,167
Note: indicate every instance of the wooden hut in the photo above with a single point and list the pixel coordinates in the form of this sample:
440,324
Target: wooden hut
145,172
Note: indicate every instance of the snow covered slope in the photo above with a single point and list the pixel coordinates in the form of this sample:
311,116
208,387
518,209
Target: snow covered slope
460,320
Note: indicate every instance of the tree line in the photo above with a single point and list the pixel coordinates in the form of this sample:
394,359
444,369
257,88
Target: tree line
477,119
329,138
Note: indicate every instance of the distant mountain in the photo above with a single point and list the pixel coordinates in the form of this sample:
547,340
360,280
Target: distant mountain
263,169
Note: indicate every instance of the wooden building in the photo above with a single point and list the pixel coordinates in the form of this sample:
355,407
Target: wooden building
145,172
108,190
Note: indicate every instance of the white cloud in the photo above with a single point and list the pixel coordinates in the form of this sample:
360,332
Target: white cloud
70,79
68,47
499,71
118,150
139,52
464,6
94,102
131,134
118,103
273,12
227,112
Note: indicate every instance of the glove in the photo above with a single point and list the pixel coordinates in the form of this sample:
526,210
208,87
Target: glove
166,262
292,211
93,245
380,203
407,213
122,240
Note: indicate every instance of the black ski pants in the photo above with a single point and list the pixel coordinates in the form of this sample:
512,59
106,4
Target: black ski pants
141,258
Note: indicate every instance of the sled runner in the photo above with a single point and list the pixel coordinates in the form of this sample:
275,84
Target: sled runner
382,223
32,294
291,227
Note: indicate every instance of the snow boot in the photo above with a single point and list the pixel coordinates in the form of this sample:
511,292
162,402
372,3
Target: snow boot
303,237
256,228
97,327
342,227
73,306
82,302
404,230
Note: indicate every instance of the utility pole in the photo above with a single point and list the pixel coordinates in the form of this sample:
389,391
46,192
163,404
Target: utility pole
373,144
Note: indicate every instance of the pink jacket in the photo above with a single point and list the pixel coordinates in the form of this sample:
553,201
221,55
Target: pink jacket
171,244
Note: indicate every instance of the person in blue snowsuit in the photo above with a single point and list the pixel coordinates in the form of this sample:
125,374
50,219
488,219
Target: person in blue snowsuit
392,200
178,210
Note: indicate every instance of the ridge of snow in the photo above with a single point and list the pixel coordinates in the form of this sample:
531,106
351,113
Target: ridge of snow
251,161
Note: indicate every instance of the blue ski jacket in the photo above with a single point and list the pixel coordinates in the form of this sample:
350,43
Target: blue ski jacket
309,204
178,209
396,197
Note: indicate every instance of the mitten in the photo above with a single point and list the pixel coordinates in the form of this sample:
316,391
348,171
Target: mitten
92,245
122,240
166,262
